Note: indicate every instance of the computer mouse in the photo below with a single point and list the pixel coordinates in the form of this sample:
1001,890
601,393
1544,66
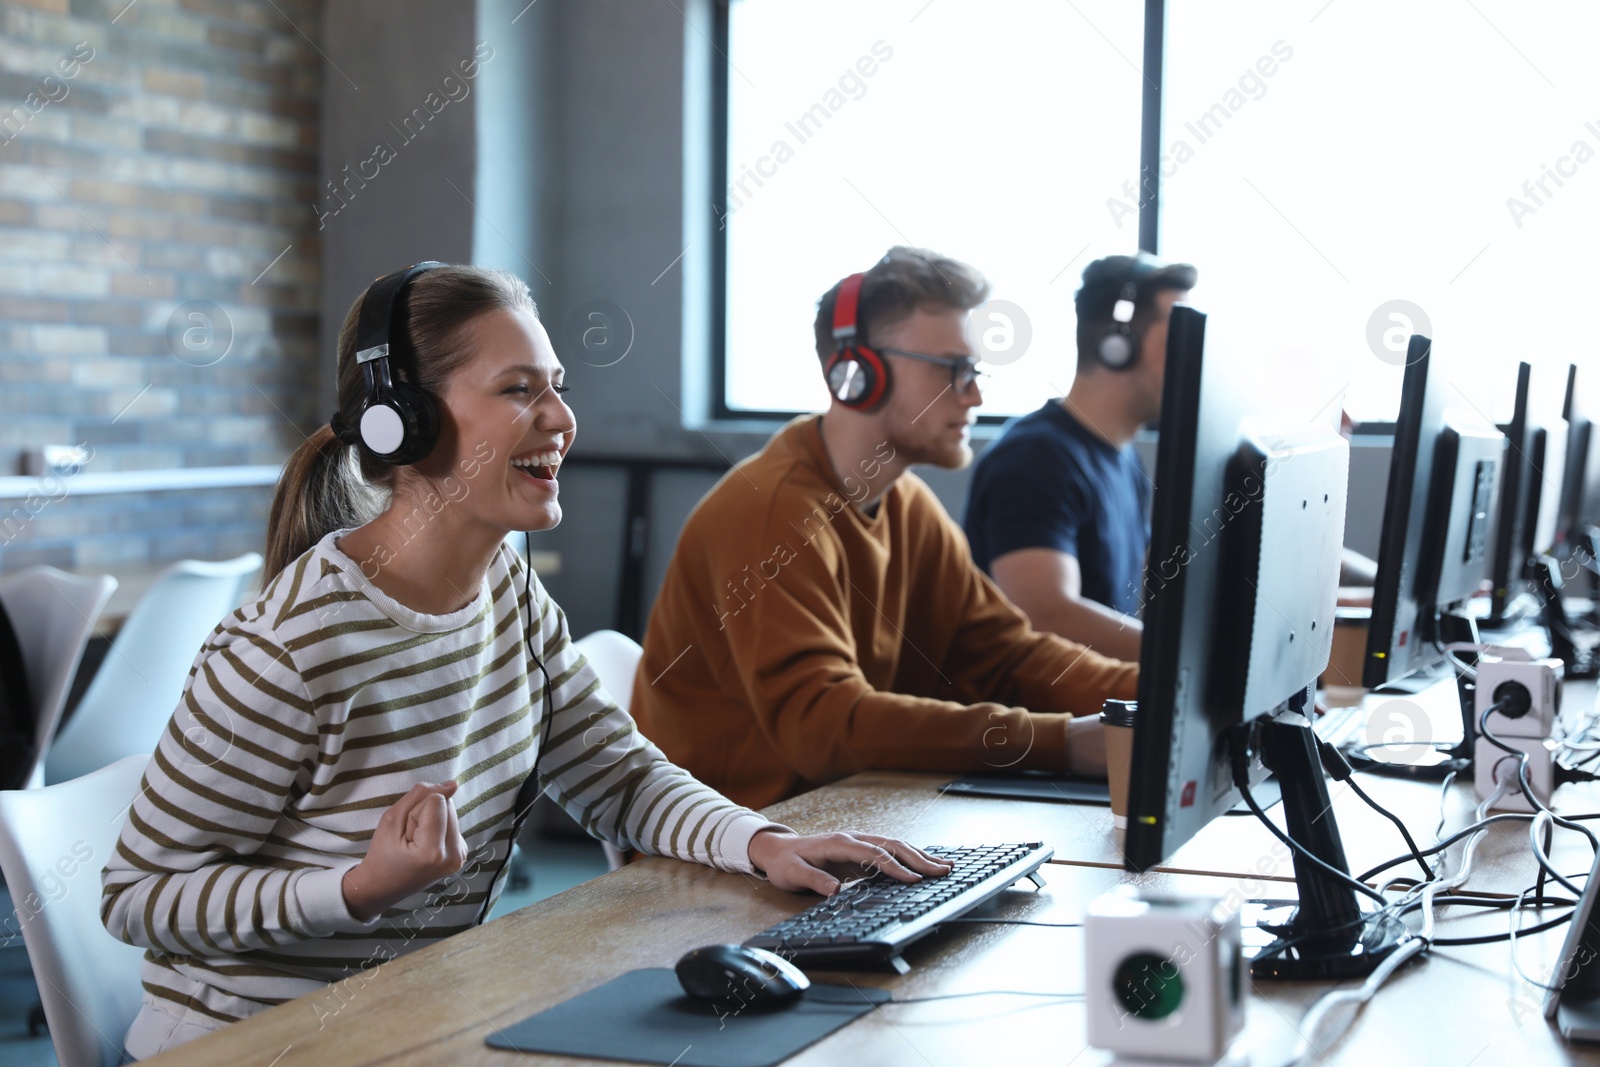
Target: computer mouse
734,976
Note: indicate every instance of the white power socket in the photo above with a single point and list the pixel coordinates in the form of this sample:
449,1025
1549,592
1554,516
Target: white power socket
1534,683
1490,764
1165,975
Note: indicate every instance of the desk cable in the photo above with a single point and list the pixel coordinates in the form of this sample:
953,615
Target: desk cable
1418,943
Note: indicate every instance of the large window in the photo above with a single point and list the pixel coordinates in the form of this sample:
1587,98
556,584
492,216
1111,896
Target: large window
1327,161
994,132
1341,172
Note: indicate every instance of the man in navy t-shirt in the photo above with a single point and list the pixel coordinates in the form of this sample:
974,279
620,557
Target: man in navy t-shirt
1057,512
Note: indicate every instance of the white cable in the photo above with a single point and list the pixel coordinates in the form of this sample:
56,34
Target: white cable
1545,821
1462,666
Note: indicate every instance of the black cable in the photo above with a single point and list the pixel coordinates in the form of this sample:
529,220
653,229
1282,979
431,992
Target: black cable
1392,817
990,993
527,633
1506,816
1522,775
1344,876
1005,922
519,808
1543,859
1549,838
1489,939
1483,900
1402,908
855,996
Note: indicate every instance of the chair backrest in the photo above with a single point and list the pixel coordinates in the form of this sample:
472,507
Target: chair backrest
141,680
54,842
54,613
614,657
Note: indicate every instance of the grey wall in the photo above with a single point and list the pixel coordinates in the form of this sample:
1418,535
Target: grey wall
383,61
591,140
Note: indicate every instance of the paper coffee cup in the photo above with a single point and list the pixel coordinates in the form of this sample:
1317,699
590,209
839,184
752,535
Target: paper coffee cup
1116,726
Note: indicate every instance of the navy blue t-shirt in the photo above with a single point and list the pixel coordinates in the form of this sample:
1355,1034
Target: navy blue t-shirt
1049,482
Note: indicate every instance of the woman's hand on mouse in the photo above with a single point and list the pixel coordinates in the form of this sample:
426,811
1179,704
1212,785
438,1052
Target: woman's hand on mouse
418,841
795,861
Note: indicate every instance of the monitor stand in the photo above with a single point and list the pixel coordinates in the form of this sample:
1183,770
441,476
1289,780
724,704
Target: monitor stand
1589,556
1453,628
1581,662
1325,935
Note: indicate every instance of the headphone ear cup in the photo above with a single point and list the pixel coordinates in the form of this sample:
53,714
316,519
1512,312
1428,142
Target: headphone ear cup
401,426
849,380
421,416
857,377
1118,347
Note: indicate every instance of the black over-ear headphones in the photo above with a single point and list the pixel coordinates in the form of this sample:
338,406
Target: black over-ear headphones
399,421
857,376
1117,347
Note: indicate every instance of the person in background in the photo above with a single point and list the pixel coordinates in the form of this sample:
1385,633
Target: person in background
1057,510
821,614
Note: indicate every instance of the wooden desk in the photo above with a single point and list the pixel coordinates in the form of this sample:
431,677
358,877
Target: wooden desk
911,806
437,1006
1459,1006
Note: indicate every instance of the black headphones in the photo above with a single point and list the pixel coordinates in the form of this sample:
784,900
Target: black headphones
399,422
857,376
1117,347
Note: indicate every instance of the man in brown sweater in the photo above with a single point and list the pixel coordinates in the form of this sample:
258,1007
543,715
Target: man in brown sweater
822,614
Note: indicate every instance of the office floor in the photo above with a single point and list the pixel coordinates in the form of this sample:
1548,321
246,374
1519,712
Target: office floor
556,864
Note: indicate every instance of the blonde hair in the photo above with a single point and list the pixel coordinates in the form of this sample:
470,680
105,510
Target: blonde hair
329,485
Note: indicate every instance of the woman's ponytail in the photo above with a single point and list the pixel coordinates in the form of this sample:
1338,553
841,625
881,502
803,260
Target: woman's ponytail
321,490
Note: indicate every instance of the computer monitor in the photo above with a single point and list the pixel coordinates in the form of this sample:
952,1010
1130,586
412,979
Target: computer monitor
1578,475
1242,579
1433,546
1543,464
1518,516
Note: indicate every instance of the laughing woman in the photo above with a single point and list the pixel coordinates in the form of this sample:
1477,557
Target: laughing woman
344,776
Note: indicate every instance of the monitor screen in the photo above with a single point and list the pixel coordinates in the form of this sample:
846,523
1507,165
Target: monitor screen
1433,546
1519,501
1577,492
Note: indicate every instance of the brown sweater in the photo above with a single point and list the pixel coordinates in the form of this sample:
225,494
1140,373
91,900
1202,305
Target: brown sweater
797,640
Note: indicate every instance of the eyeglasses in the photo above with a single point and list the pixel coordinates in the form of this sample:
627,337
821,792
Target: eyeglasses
964,372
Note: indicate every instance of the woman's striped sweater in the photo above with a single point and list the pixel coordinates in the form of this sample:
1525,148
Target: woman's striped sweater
312,710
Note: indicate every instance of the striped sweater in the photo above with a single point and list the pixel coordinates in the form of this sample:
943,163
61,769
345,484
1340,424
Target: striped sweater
312,710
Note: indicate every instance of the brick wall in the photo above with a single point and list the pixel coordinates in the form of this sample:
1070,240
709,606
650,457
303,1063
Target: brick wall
159,263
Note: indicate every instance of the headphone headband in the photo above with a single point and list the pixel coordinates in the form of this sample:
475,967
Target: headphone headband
845,305
399,421
379,306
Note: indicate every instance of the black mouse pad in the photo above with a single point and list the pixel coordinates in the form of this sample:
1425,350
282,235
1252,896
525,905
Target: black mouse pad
1032,785
644,1017
1042,785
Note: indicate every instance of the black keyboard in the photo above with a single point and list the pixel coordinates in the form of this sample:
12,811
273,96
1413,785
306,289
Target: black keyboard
873,920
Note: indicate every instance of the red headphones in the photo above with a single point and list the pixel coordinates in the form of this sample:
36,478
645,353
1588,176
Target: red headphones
857,376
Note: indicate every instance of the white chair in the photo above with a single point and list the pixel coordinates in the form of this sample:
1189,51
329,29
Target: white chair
53,613
615,658
141,680
53,843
